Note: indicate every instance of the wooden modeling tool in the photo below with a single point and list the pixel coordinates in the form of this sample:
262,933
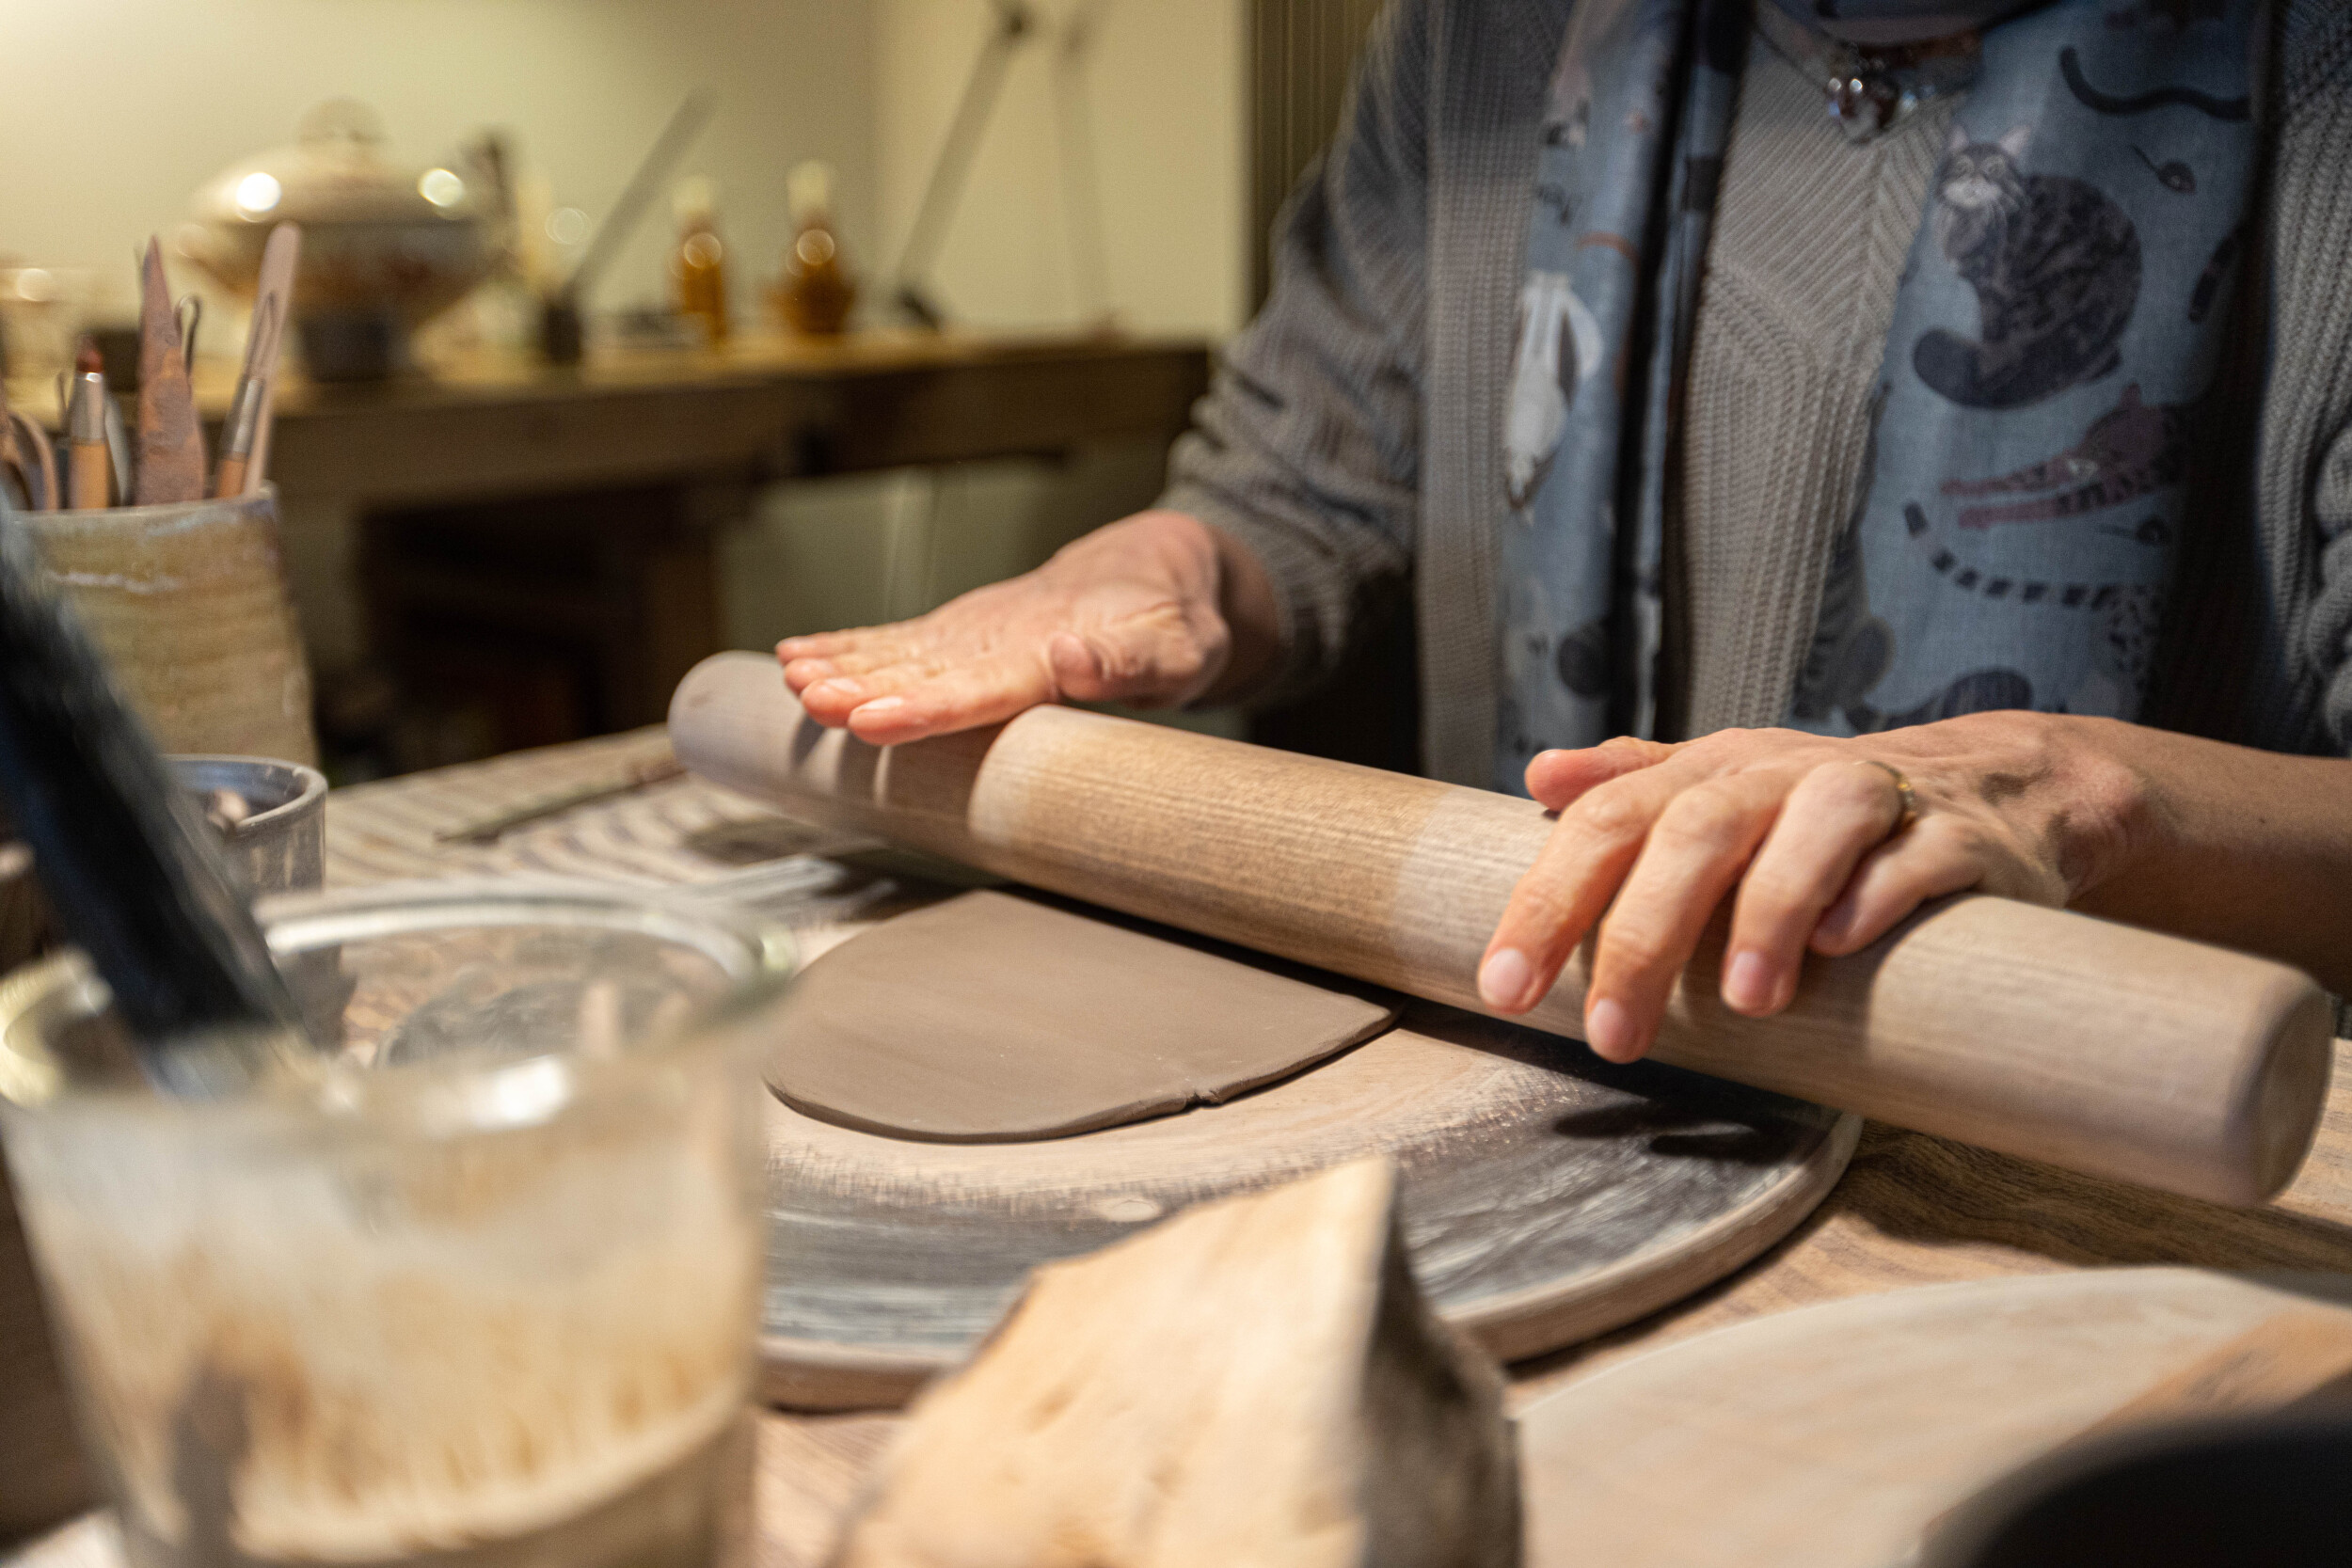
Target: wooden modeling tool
2039,1033
1256,1380
89,464
489,829
171,441
245,436
134,875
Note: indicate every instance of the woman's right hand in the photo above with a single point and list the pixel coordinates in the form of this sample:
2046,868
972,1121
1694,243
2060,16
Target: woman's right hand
1135,612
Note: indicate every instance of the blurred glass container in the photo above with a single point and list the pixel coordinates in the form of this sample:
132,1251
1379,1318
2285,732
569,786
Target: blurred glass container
485,1291
188,602
386,247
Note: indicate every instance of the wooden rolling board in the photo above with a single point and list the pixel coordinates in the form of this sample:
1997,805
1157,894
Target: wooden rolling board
1832,1436
1547,1196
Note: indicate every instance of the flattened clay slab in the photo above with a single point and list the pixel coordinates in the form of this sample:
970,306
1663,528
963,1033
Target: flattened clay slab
996,1018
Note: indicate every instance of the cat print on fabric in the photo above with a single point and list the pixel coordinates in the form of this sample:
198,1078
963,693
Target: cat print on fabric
2208,289
2091,97
2132,449
1559,349
2055,269
1582,659
1851,649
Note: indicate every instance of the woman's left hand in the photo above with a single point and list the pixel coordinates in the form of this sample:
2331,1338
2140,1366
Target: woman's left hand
1809,830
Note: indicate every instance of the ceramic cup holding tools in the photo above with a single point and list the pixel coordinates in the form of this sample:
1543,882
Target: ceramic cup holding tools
188,603
490,1282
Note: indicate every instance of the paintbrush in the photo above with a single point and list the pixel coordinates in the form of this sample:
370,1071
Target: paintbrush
131,871
172,442
89,466
273,296
244,423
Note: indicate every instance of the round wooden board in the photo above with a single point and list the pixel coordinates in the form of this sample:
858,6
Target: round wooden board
1832,1436
1546,1197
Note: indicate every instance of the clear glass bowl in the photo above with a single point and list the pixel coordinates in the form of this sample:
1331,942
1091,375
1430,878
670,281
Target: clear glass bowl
487,1283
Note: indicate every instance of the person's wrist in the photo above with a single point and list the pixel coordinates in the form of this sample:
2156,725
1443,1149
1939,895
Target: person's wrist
2114,814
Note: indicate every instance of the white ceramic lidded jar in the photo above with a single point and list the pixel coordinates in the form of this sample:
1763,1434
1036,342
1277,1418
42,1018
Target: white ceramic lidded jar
385,247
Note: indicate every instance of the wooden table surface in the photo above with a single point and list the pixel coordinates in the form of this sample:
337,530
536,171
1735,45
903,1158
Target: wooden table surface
1911,1210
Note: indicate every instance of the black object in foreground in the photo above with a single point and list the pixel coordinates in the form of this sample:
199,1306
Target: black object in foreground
2259,1492
134,875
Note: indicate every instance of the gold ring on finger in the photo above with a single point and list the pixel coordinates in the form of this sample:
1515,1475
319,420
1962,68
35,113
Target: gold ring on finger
1904,796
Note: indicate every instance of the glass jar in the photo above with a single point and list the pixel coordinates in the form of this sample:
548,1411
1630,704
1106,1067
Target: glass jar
482,1289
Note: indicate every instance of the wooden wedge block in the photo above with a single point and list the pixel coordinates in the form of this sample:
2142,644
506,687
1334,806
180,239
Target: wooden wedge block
1257,1381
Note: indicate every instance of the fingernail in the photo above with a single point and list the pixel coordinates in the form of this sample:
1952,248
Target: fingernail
1832,926
1749,983
841,686
1502,980
883,705
1609,1030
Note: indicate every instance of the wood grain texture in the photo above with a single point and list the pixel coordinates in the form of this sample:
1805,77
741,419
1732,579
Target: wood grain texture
1253,1381
1838,1436
999,1017
2036,1032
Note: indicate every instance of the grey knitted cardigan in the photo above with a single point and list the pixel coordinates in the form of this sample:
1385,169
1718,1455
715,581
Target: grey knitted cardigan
1351,437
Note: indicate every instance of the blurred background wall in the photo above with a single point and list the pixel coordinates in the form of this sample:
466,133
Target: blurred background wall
115,110
1159,86
1125,179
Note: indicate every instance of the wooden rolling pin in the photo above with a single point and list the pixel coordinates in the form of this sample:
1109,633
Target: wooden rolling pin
2036,1032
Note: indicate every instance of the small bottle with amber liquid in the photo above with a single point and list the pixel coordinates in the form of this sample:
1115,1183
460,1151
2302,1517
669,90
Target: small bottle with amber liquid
815,293
698,266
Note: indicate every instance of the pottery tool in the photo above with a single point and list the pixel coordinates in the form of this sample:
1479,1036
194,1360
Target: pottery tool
189,314
242,426
134,875
1266,1362
1838,1436
171,440
25,449
119,451
89,465
2039,1033
488,830
249,424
